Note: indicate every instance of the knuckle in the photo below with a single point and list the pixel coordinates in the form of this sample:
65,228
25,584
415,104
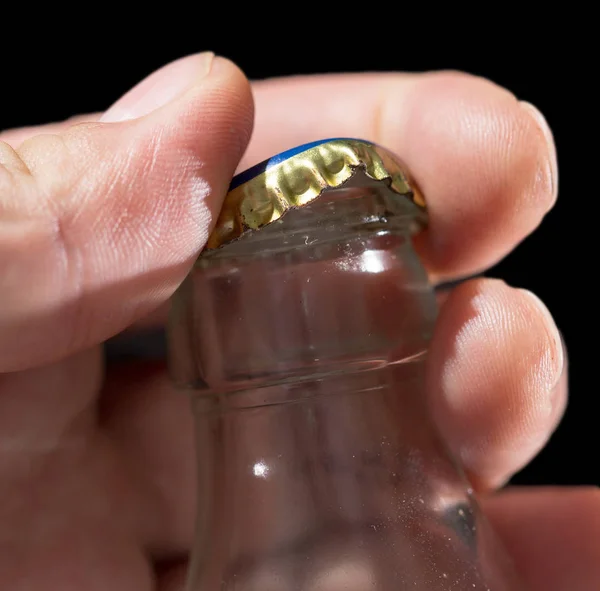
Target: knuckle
11,166
10,159
49,161
15,183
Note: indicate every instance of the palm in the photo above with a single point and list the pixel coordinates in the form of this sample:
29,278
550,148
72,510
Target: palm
88,498
102,221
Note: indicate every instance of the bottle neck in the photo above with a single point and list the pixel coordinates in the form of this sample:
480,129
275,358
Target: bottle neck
331,287
344,487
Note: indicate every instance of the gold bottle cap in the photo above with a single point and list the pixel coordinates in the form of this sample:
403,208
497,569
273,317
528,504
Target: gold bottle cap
265,192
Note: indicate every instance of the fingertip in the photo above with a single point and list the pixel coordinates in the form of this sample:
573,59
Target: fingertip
555,364
496,378
484,164
234,93
160,87
552,162
208,88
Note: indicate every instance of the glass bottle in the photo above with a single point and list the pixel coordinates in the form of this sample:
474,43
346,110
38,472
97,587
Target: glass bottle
302,339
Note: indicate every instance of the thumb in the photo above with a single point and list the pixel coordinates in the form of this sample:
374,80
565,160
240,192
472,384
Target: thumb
100,223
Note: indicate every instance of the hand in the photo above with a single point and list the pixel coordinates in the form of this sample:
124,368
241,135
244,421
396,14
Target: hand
101,220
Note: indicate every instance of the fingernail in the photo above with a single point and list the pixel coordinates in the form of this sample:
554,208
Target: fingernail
541,122
565,351
160,88
558,350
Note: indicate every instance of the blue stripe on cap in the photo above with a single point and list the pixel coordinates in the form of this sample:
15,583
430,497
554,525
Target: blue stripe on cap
254,171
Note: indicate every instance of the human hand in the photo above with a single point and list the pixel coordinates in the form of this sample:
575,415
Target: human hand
102,220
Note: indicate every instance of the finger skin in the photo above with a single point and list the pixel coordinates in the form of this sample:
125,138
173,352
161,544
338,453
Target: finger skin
497,379
173,578
551,534
101,223
153,410
485,163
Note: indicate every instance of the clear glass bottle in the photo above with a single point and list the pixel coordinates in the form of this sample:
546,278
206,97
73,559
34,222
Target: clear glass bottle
303,344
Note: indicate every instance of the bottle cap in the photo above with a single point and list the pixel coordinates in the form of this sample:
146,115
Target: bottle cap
296,177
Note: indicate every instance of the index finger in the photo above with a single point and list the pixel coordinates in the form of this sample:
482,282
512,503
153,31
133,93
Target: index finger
485,162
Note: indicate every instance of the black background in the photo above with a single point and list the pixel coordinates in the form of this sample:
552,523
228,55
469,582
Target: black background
62,70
